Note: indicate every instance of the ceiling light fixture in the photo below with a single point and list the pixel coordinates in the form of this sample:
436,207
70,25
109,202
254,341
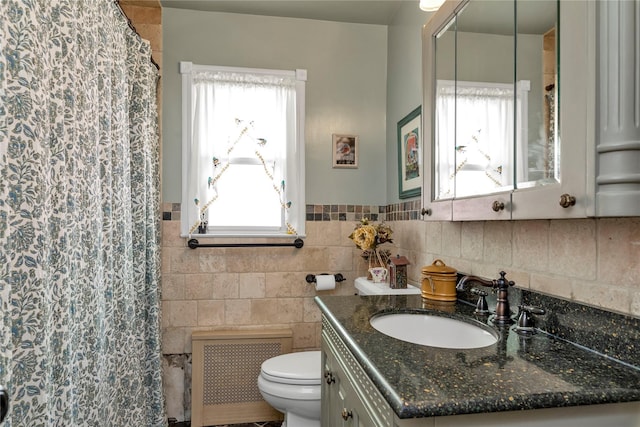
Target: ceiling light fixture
430,5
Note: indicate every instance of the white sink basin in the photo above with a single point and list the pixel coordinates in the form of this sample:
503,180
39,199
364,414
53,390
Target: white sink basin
433,331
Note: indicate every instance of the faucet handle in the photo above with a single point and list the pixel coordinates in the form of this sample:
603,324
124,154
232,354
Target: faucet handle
481,306
525,325
502,281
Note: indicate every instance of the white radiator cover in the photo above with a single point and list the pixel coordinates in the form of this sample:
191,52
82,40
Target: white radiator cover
226,366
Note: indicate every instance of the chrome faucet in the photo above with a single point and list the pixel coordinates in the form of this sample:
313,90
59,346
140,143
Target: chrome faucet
503,312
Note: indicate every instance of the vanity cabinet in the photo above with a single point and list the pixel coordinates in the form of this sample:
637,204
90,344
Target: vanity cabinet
349,398
574,152
343,405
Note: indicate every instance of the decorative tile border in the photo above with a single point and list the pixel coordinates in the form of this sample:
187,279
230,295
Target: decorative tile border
171,211
404,211
344,212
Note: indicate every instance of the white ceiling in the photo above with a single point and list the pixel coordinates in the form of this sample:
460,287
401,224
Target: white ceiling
535,16
357,11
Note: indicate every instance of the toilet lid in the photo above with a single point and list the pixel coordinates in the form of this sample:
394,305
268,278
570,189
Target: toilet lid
293,368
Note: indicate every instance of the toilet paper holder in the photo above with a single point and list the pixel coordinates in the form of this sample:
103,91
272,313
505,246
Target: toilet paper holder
311,278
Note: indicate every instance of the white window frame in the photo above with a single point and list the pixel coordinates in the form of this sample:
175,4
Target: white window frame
295,164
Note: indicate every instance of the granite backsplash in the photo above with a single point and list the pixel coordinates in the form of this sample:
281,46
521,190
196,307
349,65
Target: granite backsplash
611,334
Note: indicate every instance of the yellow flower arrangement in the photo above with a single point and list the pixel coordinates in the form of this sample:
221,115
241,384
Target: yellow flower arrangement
368,237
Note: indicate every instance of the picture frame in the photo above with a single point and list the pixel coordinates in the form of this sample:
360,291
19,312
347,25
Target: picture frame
410,154
345,151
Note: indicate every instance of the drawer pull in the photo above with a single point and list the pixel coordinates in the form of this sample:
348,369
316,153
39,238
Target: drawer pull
329,378
346,414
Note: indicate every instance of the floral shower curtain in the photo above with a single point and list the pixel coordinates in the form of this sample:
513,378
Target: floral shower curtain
79,217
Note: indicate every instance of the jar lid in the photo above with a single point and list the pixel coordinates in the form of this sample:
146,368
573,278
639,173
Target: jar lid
438,267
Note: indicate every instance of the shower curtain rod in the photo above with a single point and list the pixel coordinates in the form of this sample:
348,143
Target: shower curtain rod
193,244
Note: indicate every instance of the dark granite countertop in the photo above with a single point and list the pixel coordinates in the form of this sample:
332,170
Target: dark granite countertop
542,371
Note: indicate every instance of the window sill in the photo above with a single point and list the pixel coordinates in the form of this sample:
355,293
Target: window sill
231,236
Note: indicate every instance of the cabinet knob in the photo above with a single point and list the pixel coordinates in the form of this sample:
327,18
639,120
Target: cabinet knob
567,200
329,378
346,414
497,206
425,211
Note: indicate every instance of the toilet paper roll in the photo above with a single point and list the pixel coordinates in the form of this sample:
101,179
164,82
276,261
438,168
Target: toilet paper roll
325,282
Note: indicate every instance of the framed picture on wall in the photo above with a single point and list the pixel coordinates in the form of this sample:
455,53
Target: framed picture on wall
410,154
345,151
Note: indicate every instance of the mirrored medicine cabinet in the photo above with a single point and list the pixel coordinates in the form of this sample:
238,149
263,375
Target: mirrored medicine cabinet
509,105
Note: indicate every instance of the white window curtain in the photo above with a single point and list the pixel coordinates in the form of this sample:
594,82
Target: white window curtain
475,127
242,174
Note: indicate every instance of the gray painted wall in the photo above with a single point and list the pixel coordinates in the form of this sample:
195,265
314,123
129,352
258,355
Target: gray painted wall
404,84
346,90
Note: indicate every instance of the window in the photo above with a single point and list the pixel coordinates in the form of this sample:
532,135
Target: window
242,151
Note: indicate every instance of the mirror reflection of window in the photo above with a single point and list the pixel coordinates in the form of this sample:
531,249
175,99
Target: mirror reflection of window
480,152
484,98
482,48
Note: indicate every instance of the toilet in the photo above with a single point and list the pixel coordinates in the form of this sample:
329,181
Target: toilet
291,384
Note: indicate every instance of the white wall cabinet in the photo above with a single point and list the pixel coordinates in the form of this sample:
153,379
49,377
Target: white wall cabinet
576,124
598,126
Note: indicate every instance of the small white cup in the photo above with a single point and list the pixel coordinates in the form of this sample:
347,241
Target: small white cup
378,274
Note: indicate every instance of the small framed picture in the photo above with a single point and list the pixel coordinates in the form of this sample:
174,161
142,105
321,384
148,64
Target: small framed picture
345,151
410,154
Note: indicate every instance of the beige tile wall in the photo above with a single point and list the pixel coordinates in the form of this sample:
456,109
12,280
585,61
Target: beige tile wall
244,288
592,261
